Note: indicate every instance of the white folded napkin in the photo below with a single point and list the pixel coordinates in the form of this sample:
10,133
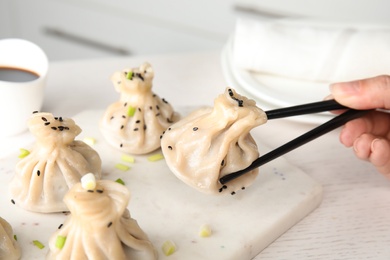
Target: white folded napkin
311,51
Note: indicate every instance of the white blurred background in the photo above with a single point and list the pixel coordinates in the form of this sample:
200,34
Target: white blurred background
72,29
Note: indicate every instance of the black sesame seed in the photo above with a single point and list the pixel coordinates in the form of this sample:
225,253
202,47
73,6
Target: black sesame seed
157,107
150,107
165,101
161,136
144,127
139,109
170,147
230,92
140,76
34,112
111,118
224,187
56,118
125,104
220,190
135,129
38,172
44,119
109,224
61,119
138,121
223,163
195,128
169,120
61,128
122,126
233,193
99,191
90,191
66,128
54,128
123,116
60,226
243,188
121,145
47,123
13,202
158,114
169,129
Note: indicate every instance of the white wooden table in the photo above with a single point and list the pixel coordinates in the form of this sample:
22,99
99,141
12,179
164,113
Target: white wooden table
353,221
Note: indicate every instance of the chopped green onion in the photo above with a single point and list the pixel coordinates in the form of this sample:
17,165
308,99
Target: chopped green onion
127,158
119,180
60,242
89,140
122,167
205,231
16,238
88,181
38,244
131,111
23,153
129,75
155,157
168,247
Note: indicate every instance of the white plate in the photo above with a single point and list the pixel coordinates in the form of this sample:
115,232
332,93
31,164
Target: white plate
271,91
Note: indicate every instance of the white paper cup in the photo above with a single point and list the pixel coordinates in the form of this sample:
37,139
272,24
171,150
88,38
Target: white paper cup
18,100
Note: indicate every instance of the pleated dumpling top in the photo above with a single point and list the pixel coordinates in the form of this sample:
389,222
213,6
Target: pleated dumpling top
55,164
100,226
135,122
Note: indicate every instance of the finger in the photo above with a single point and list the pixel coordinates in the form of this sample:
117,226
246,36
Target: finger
362,146
376,123
380,156
363,94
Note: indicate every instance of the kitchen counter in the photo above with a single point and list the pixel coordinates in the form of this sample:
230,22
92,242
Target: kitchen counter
352,221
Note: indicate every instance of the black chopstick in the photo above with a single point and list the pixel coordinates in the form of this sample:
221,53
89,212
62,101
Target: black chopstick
297,142
316,107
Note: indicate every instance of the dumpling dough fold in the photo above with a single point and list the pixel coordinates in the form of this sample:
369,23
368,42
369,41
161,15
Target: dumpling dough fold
55,164
135,122
212,142
100,226
9,248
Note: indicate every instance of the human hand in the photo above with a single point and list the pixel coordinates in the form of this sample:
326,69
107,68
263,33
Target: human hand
370,135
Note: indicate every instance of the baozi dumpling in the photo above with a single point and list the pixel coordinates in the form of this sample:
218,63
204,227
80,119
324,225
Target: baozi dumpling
213,142
134,123
100,226
9,247
55,164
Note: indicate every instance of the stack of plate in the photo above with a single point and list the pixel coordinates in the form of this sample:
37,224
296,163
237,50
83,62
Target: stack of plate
270,91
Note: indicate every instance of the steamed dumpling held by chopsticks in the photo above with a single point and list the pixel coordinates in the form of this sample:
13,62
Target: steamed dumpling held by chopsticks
213,142
135,122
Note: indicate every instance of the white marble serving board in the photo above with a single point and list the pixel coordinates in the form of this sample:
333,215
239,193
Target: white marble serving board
167,209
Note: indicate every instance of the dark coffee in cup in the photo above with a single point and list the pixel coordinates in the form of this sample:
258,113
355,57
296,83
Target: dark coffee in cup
17,74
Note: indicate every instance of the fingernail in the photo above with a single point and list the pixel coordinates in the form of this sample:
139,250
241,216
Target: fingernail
329,97
345,88
357,145
375,144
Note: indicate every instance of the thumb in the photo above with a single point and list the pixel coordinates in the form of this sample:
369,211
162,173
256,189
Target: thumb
363,94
